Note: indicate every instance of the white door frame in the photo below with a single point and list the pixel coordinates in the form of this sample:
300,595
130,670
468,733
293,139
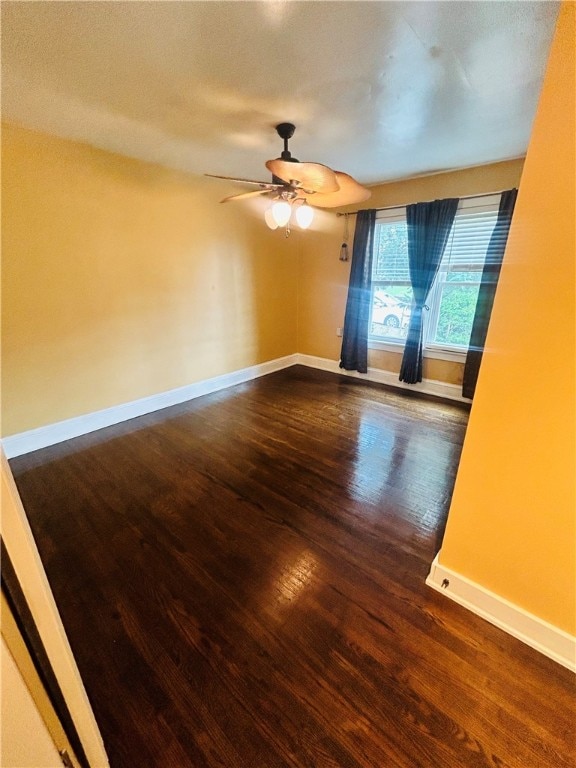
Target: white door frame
23,553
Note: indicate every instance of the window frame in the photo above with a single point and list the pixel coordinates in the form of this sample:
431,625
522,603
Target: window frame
480,204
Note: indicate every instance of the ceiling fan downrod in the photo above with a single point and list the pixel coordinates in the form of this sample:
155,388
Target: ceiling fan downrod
286,131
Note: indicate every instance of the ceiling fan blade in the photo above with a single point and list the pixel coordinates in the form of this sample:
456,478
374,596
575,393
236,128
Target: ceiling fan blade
313,177
263,184
245,195
350,192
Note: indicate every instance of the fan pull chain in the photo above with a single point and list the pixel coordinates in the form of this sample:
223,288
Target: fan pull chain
344,246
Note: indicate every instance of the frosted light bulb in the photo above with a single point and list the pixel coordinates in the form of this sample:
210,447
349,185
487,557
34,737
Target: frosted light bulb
304,216
281,211
269,219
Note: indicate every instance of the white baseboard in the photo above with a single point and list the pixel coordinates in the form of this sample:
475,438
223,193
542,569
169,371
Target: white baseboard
427,386
535,632
34,439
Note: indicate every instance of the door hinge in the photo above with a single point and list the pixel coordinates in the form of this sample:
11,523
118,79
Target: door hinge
65,757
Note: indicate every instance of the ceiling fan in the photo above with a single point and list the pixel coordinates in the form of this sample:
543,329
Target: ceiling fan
294,185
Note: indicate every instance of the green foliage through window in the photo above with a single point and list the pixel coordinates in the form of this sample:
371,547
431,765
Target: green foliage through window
391,253
456,314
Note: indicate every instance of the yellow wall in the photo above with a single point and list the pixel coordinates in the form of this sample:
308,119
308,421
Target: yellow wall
323,279
122,280
512,523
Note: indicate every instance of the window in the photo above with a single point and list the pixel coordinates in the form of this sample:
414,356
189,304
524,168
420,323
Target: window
452,298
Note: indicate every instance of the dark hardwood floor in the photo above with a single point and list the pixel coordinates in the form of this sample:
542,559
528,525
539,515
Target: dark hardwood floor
242,582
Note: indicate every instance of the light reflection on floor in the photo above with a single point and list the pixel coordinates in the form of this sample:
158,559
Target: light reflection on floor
294,578
377,455
415,458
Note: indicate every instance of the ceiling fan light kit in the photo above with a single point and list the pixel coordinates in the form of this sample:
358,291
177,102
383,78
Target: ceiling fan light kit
296,186
280,213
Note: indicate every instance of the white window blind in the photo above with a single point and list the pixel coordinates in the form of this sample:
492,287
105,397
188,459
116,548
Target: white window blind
469,240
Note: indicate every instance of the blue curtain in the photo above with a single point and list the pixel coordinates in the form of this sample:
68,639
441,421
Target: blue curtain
489,281
429,226
354,354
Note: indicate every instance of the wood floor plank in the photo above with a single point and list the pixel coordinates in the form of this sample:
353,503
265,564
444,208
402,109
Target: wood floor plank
242,581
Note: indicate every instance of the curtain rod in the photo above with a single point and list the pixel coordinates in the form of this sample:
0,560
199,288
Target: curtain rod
392,207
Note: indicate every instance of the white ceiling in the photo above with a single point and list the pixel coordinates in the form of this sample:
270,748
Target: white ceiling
380,90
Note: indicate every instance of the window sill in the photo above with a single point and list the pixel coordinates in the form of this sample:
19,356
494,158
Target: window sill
436,353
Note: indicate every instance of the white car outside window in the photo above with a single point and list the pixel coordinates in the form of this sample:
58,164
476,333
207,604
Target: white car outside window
390,312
